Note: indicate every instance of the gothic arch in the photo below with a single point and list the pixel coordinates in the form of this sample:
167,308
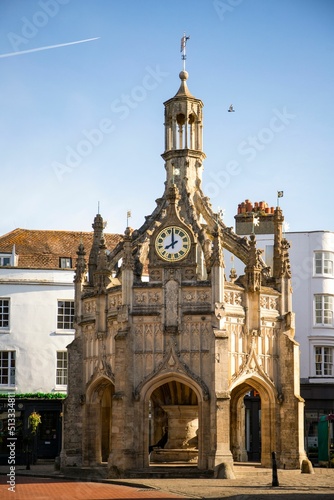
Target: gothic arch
268,395
150,386
194,394
98,419
93,391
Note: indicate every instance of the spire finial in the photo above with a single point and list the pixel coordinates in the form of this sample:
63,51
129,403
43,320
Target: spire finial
128,215
183,49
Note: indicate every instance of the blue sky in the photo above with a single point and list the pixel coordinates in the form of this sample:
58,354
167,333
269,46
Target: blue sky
82,124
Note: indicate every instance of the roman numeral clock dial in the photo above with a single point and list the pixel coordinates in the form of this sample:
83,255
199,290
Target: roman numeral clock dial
172,243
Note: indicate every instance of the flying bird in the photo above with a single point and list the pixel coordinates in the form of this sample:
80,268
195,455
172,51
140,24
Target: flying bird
230,109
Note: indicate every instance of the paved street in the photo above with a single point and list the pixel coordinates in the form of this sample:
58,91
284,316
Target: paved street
251,483
56,489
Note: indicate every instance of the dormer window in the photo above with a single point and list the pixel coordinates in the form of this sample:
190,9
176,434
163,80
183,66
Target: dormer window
65,262
5,260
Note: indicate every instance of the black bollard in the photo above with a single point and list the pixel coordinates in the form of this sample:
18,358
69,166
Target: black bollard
275,478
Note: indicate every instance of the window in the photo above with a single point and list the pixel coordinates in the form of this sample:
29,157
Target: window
324,361
65,262
65,314
61,374
4,313
5,260
7,367
323,263
324,310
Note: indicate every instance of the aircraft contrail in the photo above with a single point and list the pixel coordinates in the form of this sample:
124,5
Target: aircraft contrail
20,52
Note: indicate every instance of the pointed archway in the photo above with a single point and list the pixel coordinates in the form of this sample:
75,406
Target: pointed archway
176,404
98,421
240,429
173,423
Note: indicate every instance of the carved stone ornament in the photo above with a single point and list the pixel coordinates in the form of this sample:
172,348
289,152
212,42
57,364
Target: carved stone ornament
233,298
140,298
189,274
154,298
115,300
219,310
155,275
189,296
89,307
172,362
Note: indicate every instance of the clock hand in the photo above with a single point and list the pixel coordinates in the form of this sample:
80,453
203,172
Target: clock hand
171,245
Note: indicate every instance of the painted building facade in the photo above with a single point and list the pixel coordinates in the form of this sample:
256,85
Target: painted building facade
36,325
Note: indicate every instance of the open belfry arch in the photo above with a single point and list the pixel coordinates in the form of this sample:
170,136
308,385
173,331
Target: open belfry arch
167,346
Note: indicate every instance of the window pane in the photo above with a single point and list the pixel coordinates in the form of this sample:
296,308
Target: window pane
328,318
323,263
61,373
324,361
328,361
328,263
65,315
323,309
318,263
65,262
328,267
4,313
318,301
4,261
7,367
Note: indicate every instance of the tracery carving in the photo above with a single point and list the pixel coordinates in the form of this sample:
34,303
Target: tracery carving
89,306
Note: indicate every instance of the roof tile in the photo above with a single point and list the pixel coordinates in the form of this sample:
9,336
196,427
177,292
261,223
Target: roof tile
41,249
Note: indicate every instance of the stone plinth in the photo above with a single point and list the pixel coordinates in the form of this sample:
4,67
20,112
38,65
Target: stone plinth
160,455
182,435
182,426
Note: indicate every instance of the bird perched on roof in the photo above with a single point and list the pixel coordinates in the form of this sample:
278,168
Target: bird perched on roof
230,109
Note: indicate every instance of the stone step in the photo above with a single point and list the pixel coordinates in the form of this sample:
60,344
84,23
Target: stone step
172,472
246,471
162,472
86,473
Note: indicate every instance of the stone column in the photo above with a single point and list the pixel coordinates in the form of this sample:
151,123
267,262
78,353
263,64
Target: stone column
223,461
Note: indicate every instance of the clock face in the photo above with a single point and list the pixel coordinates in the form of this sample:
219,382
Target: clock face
172,243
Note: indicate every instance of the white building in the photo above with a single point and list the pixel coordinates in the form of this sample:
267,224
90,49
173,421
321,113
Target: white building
36,325
312,258
37,312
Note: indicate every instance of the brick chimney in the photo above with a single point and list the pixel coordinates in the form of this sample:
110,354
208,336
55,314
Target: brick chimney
247,211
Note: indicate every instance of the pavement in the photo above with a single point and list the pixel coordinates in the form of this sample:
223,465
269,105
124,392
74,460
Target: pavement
252,482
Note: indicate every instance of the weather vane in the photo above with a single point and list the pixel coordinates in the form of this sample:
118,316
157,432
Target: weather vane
128,216
279,195
183,49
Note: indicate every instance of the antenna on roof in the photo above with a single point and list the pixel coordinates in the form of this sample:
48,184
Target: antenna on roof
183,49
98,208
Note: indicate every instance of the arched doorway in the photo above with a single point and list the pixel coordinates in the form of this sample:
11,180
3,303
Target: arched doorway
106,406
97,437
173,422
252,405
252,429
